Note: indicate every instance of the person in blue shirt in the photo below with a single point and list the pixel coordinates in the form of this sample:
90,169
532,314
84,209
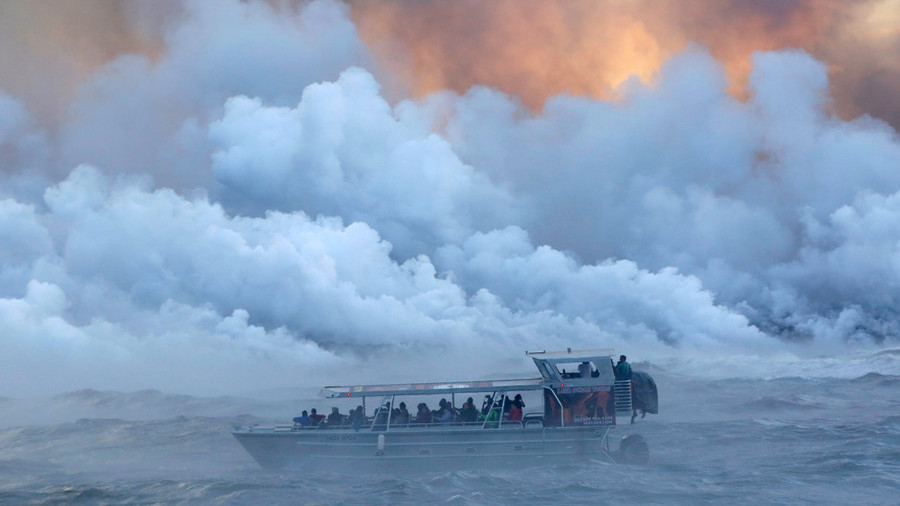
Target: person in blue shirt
623,369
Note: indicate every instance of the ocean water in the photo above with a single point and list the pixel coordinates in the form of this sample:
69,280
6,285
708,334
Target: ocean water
789,440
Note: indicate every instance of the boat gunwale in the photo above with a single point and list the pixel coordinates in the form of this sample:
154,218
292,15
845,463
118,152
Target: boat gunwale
414,431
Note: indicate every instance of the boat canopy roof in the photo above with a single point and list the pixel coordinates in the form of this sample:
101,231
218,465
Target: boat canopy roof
600,357
434,388
570,355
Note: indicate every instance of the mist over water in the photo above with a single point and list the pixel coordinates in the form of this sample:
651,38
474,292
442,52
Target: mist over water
752,441
214,209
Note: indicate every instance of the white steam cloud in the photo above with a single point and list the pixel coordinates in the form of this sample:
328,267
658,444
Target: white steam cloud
249,211
342,152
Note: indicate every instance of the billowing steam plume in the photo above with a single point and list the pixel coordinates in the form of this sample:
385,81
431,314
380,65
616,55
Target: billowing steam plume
239,196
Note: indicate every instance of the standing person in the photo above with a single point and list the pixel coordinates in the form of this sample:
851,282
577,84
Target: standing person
623,369
584,369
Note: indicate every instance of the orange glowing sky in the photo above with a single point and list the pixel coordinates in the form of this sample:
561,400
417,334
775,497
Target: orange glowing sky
528,48
536,48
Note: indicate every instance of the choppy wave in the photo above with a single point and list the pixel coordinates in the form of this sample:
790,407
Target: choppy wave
770,404
879,380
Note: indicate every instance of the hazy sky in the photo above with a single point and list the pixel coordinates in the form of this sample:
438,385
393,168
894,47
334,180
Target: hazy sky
216,196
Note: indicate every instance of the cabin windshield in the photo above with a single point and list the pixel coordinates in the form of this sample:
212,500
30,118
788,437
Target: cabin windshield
548,371
595,368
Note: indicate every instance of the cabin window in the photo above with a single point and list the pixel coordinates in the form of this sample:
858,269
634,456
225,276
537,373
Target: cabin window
604,370
579,405
568,370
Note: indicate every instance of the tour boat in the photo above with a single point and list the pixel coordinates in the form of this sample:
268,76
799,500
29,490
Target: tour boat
578,399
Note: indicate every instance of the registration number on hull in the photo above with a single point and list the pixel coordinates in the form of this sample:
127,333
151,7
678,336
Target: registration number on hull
341,437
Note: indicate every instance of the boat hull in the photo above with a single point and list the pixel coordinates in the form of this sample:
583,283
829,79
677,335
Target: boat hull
422,449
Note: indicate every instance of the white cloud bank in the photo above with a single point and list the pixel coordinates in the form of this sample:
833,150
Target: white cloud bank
144,283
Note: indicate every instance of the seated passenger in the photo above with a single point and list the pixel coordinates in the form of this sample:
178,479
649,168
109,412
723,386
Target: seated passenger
335,419
506,404
515,408
357,418
315,418
515,413
381,416
302,420
492,418
468,413
445,414
517,401
400,416
424,414
486,405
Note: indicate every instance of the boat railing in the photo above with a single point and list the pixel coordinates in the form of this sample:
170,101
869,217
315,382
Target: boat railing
476,424
370,425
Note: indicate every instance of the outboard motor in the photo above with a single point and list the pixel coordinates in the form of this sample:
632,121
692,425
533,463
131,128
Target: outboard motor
645,397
